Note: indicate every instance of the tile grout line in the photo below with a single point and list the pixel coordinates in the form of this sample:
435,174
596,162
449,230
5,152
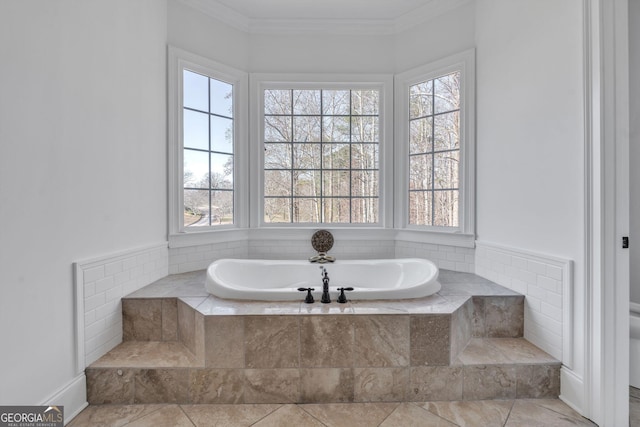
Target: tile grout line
266,415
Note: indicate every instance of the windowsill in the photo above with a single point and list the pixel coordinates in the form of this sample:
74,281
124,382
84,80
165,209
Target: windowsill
205,237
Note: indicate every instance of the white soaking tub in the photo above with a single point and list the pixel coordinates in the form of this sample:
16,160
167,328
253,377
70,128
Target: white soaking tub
279,280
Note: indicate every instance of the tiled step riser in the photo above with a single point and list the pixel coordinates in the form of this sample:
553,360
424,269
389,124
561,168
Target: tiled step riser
291,341
416,384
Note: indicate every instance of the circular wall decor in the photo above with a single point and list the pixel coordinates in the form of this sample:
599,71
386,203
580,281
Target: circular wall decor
322,241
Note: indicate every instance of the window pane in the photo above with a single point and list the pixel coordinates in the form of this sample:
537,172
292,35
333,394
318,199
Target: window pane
421,100
221,134
221,207
420,207
420,135
322,129
445,170
365,102
196,208
277,129
196,130
306,129
335,102
306,102
336,129
337,210
277,183
420,172
306,183
277,156
195,90
306,210
196,169
365,129
221,98
306,156
335,183
364,211
364,156
221,171
277,210
335,156
447,133
445,208
277,101
364,183
447,93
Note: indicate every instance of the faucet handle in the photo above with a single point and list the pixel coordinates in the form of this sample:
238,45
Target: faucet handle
342,298
309,298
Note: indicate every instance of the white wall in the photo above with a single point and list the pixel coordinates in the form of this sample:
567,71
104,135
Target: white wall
447,34
82,167
634,145
530,174
198,33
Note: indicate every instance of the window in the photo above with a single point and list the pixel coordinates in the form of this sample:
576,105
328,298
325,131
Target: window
207,128
208,150
434,151
321,155
435,134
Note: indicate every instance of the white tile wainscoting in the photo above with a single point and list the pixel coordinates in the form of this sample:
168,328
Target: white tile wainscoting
100,283
547,283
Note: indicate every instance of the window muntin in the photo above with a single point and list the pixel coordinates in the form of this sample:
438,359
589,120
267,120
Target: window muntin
434,151
321,155
208,151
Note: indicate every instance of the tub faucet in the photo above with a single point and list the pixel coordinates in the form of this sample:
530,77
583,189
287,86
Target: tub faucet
325,286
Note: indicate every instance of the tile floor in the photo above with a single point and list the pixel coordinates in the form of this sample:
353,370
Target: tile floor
488,413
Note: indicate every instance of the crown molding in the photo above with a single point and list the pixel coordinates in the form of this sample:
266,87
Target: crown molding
362,27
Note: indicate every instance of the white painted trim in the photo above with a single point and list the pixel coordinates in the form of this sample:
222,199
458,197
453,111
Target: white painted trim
73,396
358,27
304,233
572,389
383,82
607,169
465,63
179,60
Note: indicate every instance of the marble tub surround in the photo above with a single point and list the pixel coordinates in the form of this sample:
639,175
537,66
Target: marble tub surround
487,413
460,344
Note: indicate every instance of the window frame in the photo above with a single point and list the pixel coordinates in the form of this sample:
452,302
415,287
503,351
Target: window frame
465,63
260,82
180,60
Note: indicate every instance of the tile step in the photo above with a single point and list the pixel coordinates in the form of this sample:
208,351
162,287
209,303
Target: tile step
162,372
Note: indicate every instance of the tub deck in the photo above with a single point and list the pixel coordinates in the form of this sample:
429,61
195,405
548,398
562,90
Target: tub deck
182,345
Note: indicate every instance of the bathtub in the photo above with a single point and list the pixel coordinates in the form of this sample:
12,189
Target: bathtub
276,280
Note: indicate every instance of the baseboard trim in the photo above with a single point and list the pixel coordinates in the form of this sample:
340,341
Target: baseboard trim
572,389
73,396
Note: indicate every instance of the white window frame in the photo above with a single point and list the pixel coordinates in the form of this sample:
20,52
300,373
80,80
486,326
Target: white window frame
382,82
180,60
465,232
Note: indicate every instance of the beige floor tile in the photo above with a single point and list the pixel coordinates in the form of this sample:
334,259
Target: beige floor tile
228,415
169,416
484,413
531,413
111,415
350,414
289,416
410,415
